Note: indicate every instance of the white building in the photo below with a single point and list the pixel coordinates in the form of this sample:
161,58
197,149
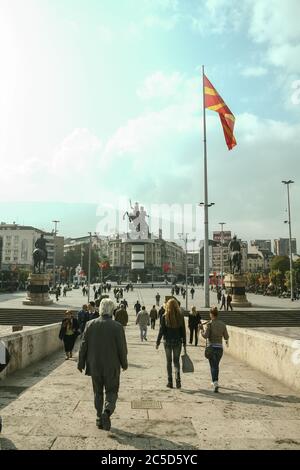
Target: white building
18,244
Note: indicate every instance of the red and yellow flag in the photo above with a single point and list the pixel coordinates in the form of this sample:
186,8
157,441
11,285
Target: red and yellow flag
213,101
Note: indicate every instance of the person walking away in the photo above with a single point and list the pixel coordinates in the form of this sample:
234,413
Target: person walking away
65,291
137,307
215,332
122,316
157,298
172,330
193,324
192,292
69,332
223,303
142,320
83,318
161,313
153,317
57,293
183,293
219,296
229,300
103,352
92,310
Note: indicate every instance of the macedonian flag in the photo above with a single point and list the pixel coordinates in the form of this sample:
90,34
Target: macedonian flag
213,101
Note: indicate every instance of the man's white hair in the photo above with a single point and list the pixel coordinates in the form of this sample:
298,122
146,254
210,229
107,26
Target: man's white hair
107,307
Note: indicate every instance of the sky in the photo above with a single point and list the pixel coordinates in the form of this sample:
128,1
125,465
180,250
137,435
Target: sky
101,103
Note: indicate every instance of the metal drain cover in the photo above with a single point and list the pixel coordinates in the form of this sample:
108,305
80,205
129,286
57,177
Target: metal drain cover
146,405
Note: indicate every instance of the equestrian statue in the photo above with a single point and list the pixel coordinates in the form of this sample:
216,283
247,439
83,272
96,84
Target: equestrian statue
235,256
40,254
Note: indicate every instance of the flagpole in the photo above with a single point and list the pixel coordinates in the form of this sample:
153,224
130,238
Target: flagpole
206,246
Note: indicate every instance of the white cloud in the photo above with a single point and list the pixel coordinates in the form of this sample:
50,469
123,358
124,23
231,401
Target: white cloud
276,24
254,71
160,85
77,152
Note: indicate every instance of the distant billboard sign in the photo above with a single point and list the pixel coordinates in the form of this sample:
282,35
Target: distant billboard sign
217,236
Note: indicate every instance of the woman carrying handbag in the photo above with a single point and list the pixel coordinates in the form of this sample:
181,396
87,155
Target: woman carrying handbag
215,332
172,330
68,332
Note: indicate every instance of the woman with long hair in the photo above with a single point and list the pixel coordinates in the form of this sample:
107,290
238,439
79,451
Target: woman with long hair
215,332
172,330
69,332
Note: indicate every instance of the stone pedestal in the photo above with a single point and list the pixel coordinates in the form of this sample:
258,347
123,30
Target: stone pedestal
38,290
235,285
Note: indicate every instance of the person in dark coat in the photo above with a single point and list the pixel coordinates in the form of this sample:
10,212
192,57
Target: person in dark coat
103,352
137,307
69,332
223,302
83,318
193,324
92,310
161,313
172,330
153,317
122,316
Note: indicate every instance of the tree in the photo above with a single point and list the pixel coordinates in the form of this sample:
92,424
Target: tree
280,263
287,280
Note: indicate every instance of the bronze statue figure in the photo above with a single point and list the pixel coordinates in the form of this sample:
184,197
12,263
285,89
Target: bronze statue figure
235,256
40,254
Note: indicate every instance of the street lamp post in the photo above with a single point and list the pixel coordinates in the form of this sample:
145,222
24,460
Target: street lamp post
206,251
222,260
184,237
287,183
54,250
89,266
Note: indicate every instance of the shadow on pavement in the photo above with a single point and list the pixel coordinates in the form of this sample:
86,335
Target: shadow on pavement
11,387
7,444
148,441
242,396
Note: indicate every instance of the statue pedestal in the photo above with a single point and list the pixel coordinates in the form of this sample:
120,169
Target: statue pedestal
235,285
38,290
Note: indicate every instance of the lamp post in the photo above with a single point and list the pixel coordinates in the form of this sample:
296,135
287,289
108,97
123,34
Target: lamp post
206,252
184,237
54,250
222,260
287,183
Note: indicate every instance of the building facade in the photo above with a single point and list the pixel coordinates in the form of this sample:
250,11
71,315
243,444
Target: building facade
150,258
265,245
18,243
282,247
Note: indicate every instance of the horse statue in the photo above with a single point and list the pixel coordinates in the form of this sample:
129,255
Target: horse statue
235,257
39,256
235,262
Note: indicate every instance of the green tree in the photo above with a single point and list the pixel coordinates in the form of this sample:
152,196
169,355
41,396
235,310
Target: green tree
287,279
280,263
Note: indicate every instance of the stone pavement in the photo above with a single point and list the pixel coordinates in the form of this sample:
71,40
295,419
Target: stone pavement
50,406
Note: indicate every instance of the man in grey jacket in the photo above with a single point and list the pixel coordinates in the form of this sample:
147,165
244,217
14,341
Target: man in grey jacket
103,352
143,320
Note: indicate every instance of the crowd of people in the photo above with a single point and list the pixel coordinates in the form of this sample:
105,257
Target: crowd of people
103,346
